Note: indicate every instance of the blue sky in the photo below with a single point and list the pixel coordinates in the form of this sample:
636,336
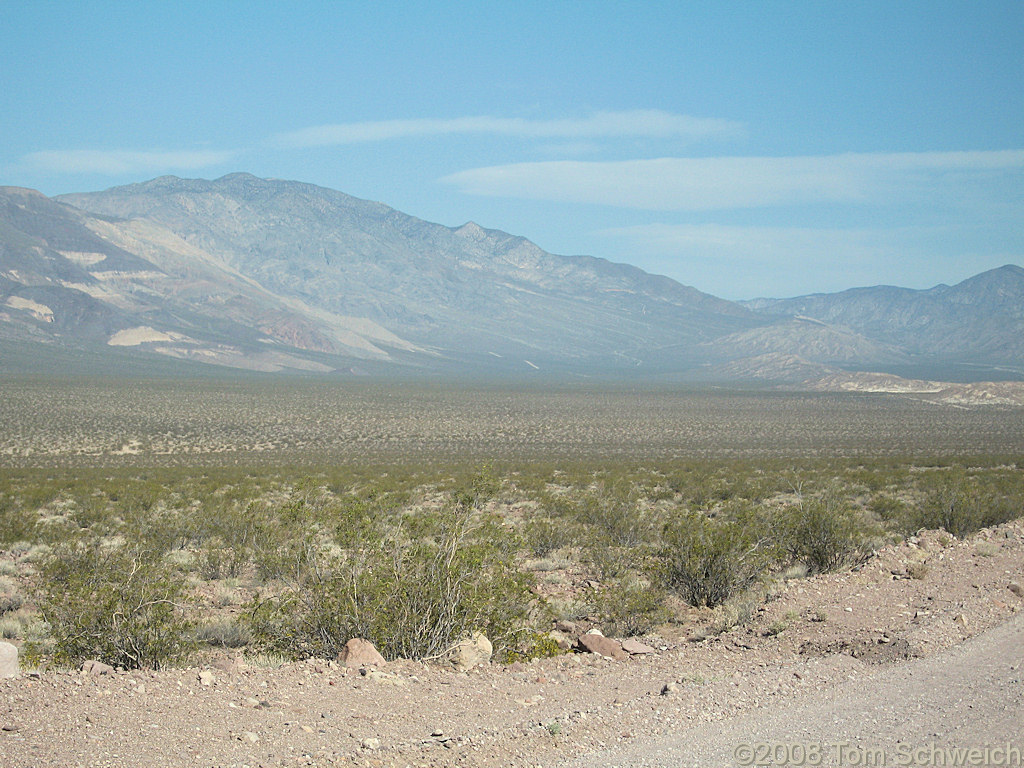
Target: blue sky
744,148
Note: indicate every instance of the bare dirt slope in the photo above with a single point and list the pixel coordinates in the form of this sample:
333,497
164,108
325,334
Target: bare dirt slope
877,652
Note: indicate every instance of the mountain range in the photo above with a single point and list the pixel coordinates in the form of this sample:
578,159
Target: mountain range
275,275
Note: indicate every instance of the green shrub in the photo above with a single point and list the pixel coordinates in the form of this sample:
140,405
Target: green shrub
706,560
16,524
534,645
10,598
961,504
413,591
614,513
628,608
544,536
119,605
824,534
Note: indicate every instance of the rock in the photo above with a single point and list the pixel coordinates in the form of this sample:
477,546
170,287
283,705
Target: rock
596,631
669,688
564,641
370,744
8,660
568,627
206,677
93,667
360,653
249,736
601,645
1016,588
634,647
382,677
472,652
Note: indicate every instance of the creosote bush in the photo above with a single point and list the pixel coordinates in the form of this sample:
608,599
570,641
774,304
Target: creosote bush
706,560
962,504
414,588
628,607
120,605
824,534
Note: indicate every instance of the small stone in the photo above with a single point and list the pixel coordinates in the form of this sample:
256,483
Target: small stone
8,660
206,677
370,745
1016,588
437,733
669,688
93,667
360,653
568,627
249,736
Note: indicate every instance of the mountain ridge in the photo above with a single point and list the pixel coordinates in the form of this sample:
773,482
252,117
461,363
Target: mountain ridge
269,274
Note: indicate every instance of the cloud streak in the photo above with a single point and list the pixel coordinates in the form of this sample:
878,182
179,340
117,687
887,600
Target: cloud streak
716,183
642,123
118,162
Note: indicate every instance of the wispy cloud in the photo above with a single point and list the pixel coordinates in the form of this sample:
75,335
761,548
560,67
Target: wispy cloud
701,184
117,162
641,123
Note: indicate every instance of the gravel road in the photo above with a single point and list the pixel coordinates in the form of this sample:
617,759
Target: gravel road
924,712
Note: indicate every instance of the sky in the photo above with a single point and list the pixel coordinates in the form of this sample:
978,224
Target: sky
744,148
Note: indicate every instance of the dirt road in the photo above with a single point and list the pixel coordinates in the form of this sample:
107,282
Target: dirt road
924,712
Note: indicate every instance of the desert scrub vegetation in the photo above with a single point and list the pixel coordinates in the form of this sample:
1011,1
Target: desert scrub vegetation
826,533
414,585
151,566
706,560
116,603
322,421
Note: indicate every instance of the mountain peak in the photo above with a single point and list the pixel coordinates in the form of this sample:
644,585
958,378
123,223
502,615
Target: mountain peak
471,230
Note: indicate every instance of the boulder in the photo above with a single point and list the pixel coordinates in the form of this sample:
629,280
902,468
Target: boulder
8,660
601,645
93,667
472,652
360,653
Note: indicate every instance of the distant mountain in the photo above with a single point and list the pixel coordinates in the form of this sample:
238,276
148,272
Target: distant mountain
980,320
279,275
466,294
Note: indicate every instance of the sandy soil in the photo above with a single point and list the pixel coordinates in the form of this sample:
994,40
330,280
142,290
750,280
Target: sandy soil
836,636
